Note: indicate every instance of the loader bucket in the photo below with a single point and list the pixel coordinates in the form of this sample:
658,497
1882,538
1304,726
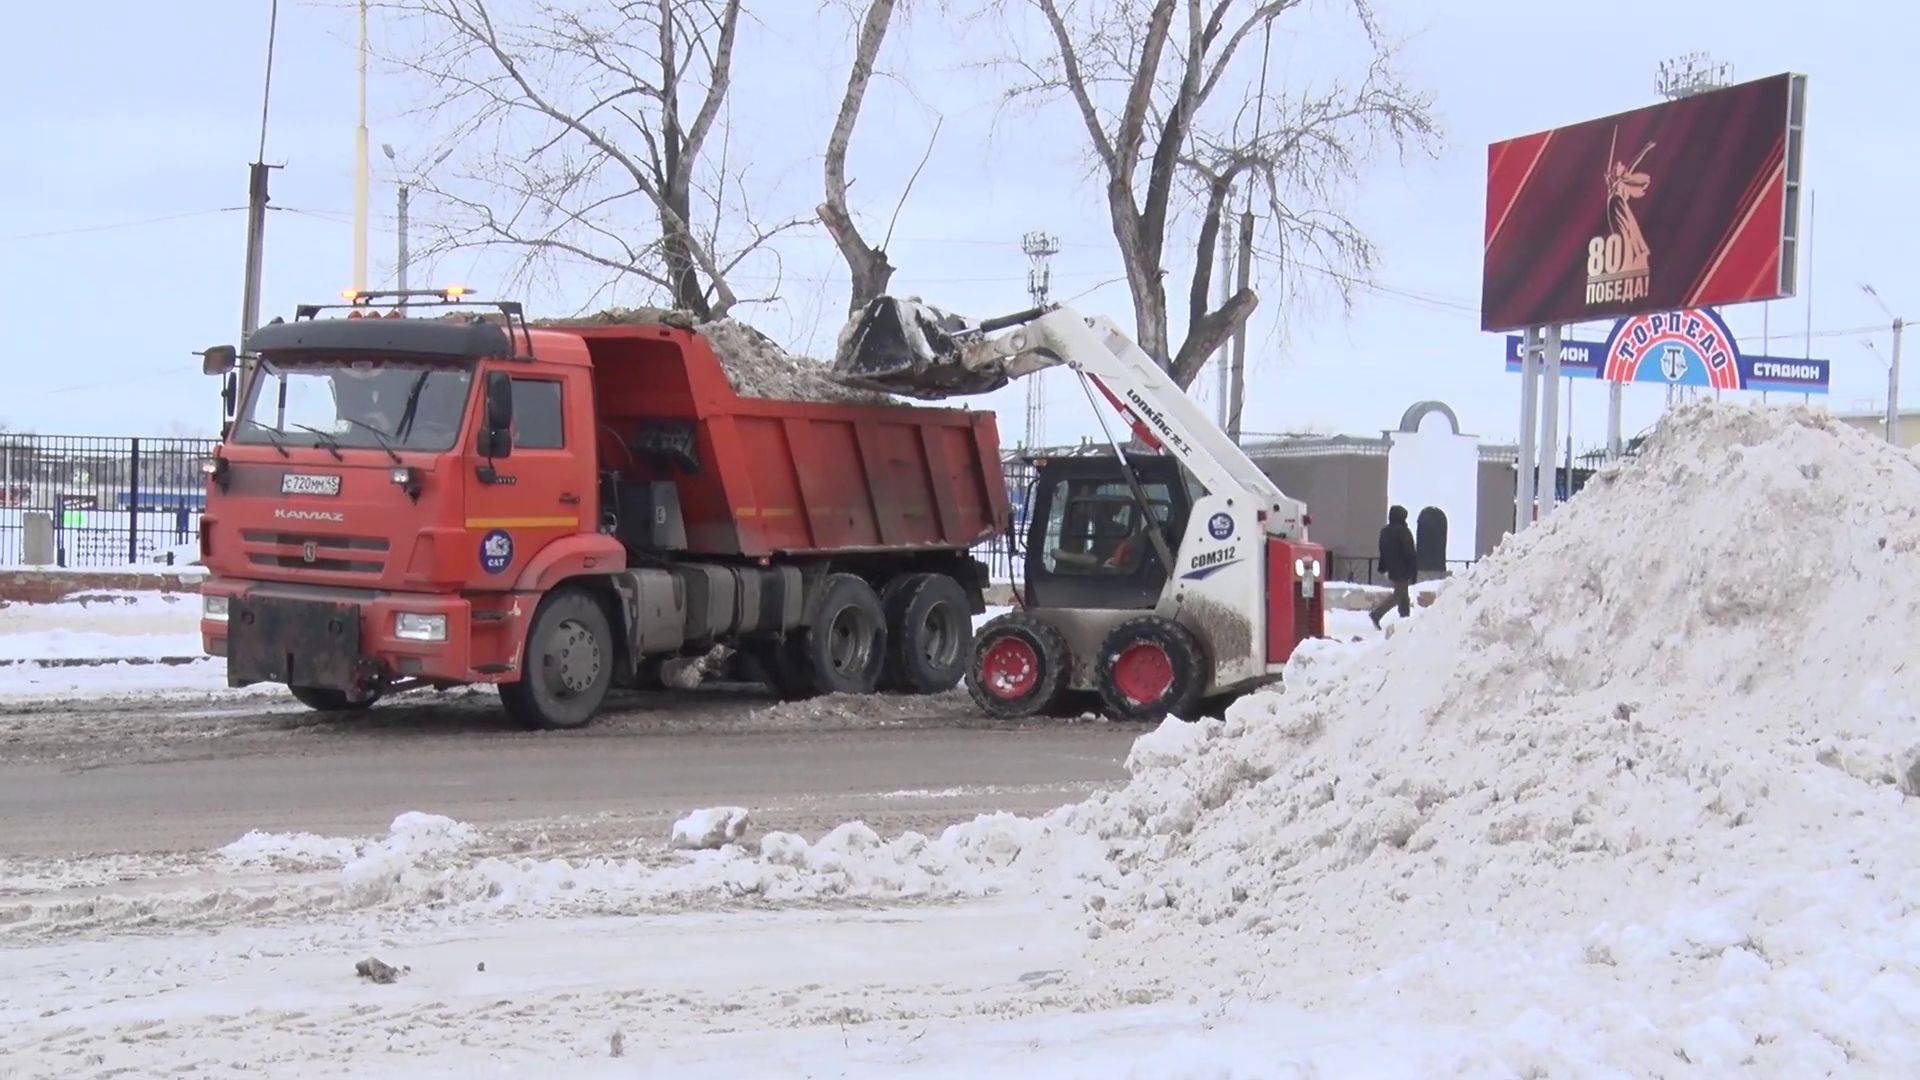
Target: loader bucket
905,347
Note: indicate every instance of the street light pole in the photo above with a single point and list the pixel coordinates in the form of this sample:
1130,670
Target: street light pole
1893,385
400,267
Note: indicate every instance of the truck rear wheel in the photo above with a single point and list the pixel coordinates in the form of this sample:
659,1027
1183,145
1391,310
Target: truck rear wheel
568,664
324,699
845,644
929,632
1150,667
1018,666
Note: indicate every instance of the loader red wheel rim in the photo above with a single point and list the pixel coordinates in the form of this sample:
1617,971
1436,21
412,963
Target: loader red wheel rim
1143,673
1009,667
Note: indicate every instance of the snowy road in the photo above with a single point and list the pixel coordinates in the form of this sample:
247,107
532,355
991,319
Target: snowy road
192,774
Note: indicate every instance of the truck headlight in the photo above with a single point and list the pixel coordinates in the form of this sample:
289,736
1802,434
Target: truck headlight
213,607
411,627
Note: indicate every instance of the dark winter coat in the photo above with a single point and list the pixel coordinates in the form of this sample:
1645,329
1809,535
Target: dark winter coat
1396,548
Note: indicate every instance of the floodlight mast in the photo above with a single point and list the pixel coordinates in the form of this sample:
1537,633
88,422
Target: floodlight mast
1040,248
1691,73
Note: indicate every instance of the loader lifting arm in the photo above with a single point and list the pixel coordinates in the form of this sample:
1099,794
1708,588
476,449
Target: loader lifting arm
906,347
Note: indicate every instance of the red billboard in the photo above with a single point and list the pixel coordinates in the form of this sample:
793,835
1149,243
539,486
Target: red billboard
1679,205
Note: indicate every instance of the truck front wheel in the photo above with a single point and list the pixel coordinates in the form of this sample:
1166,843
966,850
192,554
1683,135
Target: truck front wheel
568,664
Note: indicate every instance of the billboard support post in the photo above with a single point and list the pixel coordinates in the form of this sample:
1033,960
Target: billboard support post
1549,419
1529,404
1613,420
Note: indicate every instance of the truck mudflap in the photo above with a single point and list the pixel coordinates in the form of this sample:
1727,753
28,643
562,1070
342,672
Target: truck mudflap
296,642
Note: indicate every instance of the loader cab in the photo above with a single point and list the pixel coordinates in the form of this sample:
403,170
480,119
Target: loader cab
1088,541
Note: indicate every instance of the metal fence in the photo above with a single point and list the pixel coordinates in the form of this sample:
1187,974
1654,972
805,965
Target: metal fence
112,500
1365,569
1002,553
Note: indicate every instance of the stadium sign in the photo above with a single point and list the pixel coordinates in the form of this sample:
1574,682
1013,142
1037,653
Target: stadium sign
1681,348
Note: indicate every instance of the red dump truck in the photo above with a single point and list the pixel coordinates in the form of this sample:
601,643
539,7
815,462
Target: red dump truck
432,500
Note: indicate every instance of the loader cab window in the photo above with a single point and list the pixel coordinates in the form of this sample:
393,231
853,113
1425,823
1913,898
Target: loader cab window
1090,542
538,422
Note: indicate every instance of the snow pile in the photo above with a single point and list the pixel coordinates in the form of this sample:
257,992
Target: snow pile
755,365
300,849
1637,787
711,827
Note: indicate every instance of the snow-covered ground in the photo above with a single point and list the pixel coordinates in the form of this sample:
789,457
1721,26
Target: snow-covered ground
105,625
123,642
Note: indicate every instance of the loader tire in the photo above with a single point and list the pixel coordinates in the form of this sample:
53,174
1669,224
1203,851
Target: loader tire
845,642
929,633
568,664
1151,667
1018,667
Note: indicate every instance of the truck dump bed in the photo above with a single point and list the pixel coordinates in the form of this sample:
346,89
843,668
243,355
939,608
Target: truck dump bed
760,476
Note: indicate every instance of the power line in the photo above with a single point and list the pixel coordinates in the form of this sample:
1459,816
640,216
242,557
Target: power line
109,226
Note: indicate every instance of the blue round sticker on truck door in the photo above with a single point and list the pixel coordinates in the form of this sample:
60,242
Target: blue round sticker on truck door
1220,525
496,551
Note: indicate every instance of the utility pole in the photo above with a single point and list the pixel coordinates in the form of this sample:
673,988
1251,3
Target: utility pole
360,167
1238,391
1893,368
400,267
1040,248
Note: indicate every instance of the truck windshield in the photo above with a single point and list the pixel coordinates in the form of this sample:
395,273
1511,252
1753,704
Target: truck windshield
355,403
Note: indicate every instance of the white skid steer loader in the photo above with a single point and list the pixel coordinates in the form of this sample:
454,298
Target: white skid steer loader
1156,580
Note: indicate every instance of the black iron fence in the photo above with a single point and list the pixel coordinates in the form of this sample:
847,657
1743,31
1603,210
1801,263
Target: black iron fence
1002,553
1365,569
110,500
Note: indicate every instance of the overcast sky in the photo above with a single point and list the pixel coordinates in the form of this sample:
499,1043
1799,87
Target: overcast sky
130,126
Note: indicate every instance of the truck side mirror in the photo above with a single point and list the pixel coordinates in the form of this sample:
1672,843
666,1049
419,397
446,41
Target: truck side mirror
229,394
218,359
496,433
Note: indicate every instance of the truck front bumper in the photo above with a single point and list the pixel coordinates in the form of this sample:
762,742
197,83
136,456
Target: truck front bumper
346,639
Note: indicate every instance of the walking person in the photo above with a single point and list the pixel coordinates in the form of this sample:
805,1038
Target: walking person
1398,563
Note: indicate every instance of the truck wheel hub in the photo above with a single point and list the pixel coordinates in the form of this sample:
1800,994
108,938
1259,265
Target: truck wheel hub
850,641
1009,667
1143,673
938,643
573,660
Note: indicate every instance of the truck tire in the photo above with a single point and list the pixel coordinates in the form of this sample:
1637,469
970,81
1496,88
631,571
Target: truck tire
845,643
929,632
568,664
1018,666
323,699
1150,668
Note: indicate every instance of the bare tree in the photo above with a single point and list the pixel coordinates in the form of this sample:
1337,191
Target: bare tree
570,120
867,264
1177,123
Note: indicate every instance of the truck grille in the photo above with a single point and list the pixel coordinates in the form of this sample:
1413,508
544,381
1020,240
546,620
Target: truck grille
329,554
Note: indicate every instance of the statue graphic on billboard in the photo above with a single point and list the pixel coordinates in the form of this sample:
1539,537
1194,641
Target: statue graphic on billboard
1619,264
